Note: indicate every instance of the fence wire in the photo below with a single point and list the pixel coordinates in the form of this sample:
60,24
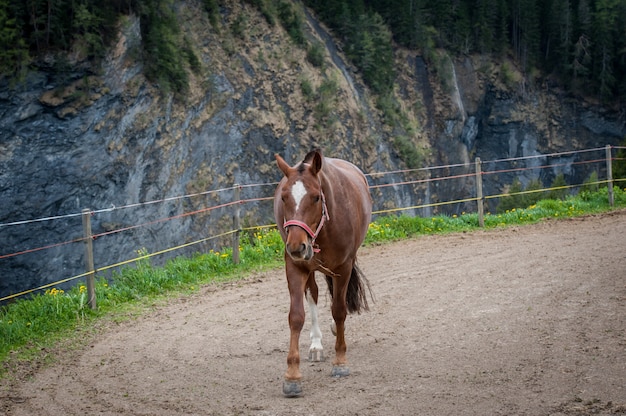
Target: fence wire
372,176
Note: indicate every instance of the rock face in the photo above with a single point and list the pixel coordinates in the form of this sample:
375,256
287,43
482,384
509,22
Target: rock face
113,143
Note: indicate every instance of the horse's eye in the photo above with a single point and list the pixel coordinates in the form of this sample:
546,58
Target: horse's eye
316,198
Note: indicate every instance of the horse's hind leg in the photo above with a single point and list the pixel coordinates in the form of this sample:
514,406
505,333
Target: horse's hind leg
329,281
316,352
339,310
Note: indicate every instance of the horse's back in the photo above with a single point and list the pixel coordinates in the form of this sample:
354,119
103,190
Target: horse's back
351,192
349,172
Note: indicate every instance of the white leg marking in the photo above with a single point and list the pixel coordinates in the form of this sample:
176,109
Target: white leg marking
316,350
298,191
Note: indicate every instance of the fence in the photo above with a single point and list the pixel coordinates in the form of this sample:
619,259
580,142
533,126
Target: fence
423,179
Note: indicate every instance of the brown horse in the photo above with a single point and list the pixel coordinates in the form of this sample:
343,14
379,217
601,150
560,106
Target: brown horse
325,208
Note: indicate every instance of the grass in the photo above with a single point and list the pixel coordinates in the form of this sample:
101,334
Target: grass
395,228
30,326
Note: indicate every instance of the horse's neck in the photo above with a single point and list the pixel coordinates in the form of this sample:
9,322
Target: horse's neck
327,188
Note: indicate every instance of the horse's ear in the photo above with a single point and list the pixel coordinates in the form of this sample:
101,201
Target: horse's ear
316,163
284,166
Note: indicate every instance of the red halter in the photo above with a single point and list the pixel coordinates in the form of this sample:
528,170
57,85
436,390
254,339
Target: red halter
308,229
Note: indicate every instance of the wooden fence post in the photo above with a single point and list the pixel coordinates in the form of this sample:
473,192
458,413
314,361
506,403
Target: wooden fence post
236,223
90,277
479,194
609,175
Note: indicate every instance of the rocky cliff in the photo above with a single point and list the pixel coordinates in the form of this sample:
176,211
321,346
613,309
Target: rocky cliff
108,139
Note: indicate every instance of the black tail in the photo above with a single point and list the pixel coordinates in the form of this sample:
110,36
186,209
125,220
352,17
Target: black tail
356,298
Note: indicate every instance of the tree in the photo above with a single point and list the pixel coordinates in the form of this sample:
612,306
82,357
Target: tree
372,53
13,50
292,22
581,58
605,17
619,166
161,44
557,35
86,25
526,34
484,26
559,184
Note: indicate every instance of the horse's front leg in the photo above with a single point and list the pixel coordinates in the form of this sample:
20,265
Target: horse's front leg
296,280
316,352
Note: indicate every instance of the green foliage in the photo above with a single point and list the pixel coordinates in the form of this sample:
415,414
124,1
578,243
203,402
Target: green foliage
32,27
162,43
324,99
266,7
39,26
291,20
307,89
590,185
328,89
367,40
86,25
506,75
518,197
238,26
444,67
213,10
619,163
13,49
393,228
41,318
408,152
315,55
581,41
371,51
191,57
559,188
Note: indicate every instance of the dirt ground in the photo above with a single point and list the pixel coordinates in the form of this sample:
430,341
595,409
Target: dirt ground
518,321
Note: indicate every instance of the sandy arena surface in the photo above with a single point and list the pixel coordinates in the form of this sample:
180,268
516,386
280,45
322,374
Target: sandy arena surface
518,321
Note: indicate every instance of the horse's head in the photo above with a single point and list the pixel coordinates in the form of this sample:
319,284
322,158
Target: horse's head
303,205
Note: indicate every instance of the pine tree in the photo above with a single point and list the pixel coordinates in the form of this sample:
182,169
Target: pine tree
557,35
605,17
501,26
86,30
526,35
13,49
484,25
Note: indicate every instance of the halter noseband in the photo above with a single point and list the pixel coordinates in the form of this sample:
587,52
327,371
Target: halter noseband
308,229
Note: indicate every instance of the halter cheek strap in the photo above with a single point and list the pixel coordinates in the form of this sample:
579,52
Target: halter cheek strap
308,229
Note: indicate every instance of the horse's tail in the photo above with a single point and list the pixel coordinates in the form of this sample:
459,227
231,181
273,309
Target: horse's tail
356,298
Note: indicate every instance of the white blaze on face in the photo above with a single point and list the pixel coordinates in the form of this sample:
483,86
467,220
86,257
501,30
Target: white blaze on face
298,191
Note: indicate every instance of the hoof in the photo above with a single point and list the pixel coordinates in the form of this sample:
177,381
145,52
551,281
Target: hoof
292,388
340,371
316,355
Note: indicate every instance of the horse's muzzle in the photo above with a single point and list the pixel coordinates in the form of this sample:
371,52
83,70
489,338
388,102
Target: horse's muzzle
300,252
299,249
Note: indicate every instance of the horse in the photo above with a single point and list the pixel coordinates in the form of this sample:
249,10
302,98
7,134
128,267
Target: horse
324,209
